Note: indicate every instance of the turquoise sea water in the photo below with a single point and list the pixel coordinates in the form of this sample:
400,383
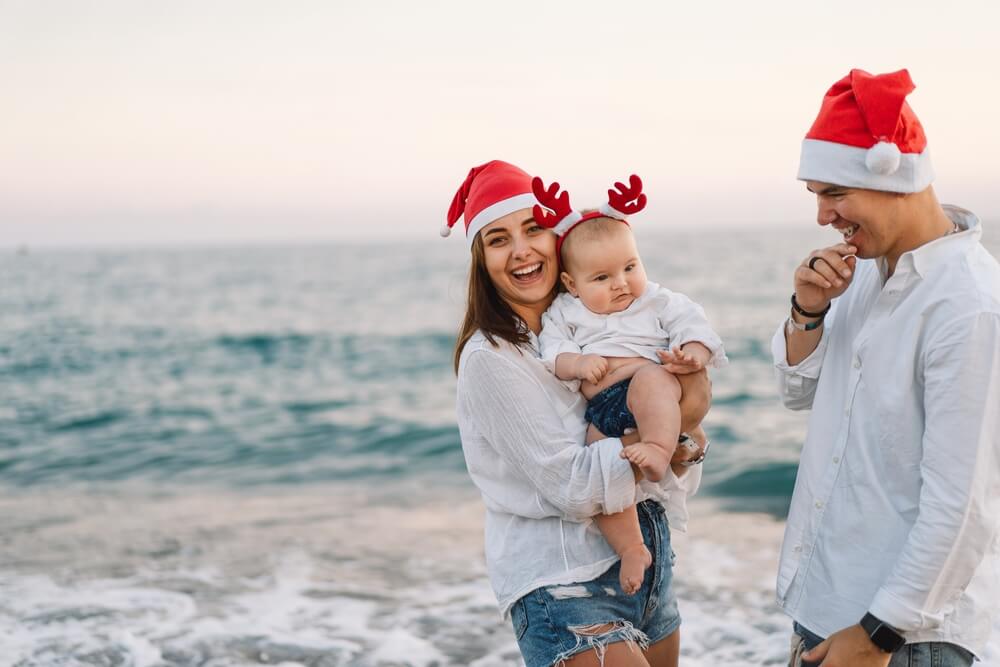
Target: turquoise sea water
300,365
202,448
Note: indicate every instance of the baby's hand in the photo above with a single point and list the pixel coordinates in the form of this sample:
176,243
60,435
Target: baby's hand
684,362
591,367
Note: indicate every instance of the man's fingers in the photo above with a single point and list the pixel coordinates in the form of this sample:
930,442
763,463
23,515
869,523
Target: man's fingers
804,274
835,259
839,250
822,267
818,653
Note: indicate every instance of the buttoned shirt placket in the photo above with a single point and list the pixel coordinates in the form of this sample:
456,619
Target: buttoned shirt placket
879,312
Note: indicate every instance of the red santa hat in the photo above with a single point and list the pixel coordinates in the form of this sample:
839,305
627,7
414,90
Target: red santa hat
867,136
490,191
623,201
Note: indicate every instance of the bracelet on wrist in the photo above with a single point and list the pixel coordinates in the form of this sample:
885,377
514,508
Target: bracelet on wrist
805,313
803,326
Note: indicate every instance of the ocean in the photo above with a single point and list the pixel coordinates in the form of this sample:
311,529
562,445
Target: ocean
230,456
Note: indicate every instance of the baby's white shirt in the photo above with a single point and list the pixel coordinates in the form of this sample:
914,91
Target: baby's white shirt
657,320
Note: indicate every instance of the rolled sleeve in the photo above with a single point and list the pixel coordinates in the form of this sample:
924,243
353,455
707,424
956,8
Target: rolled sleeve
797,384
959,505
673,493
516,416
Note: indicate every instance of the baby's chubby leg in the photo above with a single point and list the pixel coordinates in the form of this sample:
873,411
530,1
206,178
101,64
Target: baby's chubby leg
623,534
654,400
696,399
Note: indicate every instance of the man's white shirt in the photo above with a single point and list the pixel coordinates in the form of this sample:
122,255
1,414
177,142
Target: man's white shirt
896,507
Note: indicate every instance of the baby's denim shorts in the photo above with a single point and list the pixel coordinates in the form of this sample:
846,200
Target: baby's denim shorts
608,410
554,623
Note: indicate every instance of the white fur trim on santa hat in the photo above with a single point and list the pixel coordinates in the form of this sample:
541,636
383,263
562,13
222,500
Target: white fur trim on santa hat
840,164
493,212
610,211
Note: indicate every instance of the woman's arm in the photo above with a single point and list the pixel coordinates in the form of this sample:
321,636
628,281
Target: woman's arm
515,414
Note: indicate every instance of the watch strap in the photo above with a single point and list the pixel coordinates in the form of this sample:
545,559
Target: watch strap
805,326
883,635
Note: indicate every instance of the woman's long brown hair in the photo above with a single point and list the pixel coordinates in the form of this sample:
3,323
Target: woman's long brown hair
486,310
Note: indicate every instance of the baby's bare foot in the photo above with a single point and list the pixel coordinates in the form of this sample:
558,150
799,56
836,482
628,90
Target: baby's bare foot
635,560
650,458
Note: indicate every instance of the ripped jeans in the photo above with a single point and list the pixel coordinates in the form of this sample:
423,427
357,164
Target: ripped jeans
554,623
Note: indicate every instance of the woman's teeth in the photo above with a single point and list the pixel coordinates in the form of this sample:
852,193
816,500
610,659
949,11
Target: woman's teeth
528,271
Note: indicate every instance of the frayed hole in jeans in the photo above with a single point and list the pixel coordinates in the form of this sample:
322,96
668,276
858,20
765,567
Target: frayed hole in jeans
597,637
568,592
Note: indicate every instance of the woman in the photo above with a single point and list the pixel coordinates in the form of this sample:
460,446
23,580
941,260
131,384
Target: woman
522,433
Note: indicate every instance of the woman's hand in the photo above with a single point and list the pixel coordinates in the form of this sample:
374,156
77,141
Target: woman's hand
823,276
591,367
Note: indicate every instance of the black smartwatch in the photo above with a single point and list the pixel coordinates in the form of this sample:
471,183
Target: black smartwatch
882,635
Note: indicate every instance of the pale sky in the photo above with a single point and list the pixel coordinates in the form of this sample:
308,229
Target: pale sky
164,122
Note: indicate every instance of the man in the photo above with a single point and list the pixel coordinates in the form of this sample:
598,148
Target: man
893,341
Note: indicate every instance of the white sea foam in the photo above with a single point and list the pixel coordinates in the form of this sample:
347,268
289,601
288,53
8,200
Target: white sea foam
324,580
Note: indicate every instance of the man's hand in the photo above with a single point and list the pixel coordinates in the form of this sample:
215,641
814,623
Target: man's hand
829,276
851,647
689,358
591,367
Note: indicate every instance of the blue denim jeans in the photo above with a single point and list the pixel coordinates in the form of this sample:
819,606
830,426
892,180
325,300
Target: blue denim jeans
554,623
608,411
925,654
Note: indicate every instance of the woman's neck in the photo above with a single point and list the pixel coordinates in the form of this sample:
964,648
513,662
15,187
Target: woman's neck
531,314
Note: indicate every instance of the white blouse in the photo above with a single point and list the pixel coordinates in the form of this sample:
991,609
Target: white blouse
522,433
658,319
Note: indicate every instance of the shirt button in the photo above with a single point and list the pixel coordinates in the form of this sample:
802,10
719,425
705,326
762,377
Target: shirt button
857,362
798,548
819,504
847,412
836,459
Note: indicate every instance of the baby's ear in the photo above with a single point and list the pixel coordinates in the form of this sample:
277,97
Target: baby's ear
567,280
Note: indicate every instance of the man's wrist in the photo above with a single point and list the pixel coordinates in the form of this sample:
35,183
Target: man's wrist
887,638
798,323
811,310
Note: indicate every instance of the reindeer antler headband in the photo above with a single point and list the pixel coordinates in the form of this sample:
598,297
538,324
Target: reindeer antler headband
622,201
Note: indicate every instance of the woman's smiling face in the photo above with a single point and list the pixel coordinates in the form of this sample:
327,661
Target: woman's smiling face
521,260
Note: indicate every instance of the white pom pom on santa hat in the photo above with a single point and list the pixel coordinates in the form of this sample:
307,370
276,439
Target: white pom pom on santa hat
446,230
883,158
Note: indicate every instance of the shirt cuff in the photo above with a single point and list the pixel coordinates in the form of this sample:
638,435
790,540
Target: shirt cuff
808,367
889,608
619,480
709,339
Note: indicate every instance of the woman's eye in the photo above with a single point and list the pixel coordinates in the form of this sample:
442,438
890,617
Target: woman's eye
496,241
535,228
630,267
601,278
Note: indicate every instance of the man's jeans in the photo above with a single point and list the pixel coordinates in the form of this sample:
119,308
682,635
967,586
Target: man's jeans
926,654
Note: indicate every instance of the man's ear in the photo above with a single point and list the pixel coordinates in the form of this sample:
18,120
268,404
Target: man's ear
567,280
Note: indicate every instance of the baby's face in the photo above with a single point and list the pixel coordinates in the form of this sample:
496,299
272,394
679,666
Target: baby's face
606,273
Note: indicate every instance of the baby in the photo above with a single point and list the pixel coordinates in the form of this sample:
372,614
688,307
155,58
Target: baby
632,344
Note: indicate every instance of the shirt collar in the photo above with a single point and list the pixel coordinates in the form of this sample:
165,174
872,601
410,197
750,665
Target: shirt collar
926,257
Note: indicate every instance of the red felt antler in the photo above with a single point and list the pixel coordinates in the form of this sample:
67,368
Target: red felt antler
628,199
548,198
